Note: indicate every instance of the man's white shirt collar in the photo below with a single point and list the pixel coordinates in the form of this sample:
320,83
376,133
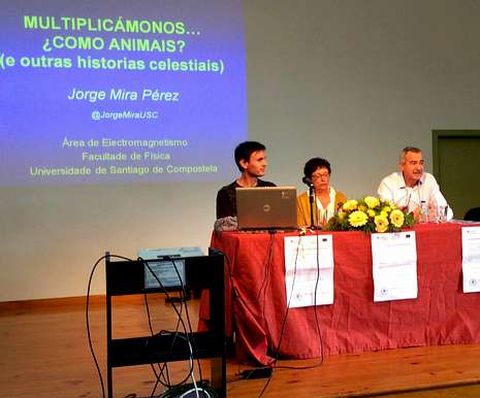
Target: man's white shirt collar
403,185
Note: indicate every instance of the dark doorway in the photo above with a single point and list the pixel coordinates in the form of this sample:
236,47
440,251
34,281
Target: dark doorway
456,166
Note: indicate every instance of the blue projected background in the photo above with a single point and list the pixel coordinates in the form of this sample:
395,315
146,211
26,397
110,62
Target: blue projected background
144,91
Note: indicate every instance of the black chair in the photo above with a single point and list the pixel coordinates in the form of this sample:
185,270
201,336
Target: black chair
473,214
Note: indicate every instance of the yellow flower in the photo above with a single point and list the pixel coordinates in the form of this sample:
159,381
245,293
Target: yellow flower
387,209
381,223
372,201
370,214
388,202
397,218
357,218
350,205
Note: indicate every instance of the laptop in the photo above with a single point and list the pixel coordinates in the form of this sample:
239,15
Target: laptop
267,208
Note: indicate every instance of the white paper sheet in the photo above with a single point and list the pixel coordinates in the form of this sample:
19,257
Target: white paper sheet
309,270
471,259
394,266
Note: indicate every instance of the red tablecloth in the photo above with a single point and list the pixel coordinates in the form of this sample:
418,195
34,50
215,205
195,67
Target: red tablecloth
256,298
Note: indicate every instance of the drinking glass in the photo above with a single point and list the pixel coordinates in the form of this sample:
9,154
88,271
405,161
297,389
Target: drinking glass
441,213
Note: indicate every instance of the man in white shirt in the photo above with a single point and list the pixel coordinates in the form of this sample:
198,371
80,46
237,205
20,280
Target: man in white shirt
412,186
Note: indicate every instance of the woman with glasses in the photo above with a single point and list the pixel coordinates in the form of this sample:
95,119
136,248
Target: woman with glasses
325,199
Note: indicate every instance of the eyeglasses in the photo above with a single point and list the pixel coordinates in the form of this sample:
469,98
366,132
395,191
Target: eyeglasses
318,176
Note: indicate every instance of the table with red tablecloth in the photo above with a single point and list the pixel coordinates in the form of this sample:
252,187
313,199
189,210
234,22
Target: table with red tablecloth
256,300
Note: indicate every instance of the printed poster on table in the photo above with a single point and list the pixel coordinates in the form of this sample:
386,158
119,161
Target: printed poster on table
394,258
471,259
309,270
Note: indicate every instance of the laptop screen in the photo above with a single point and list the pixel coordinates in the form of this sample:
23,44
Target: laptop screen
267,208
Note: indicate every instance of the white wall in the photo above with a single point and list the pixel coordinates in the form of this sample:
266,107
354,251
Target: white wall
355,81
352,81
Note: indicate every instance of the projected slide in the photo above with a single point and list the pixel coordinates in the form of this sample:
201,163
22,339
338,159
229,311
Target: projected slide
122,91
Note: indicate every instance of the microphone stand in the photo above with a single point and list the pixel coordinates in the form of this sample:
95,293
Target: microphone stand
311,194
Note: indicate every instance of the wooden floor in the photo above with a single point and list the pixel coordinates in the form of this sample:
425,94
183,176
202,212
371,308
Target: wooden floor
45,354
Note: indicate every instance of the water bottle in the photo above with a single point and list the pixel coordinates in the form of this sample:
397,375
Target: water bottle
423,211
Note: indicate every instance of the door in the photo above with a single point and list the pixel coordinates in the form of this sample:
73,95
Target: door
456,166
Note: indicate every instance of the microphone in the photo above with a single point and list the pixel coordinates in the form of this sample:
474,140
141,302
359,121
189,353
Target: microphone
307,181
311,197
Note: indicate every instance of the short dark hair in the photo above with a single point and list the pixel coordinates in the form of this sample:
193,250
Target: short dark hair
244,150
407,149
316,163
